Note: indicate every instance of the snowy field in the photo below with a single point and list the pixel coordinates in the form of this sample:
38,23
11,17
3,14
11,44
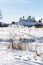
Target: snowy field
33,36
13,57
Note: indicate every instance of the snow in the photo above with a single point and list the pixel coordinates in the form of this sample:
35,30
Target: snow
21,57
13,57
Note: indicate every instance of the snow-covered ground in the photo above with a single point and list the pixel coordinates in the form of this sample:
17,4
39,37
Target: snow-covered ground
13,57
21,57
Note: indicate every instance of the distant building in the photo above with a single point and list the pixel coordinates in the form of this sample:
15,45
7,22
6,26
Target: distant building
27,22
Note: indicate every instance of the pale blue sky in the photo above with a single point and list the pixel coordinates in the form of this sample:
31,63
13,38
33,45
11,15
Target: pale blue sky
14,9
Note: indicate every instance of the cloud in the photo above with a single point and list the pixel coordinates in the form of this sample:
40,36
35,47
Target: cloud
2,1
15,1
22,1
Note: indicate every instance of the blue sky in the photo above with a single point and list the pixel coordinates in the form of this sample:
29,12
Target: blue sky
12,10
